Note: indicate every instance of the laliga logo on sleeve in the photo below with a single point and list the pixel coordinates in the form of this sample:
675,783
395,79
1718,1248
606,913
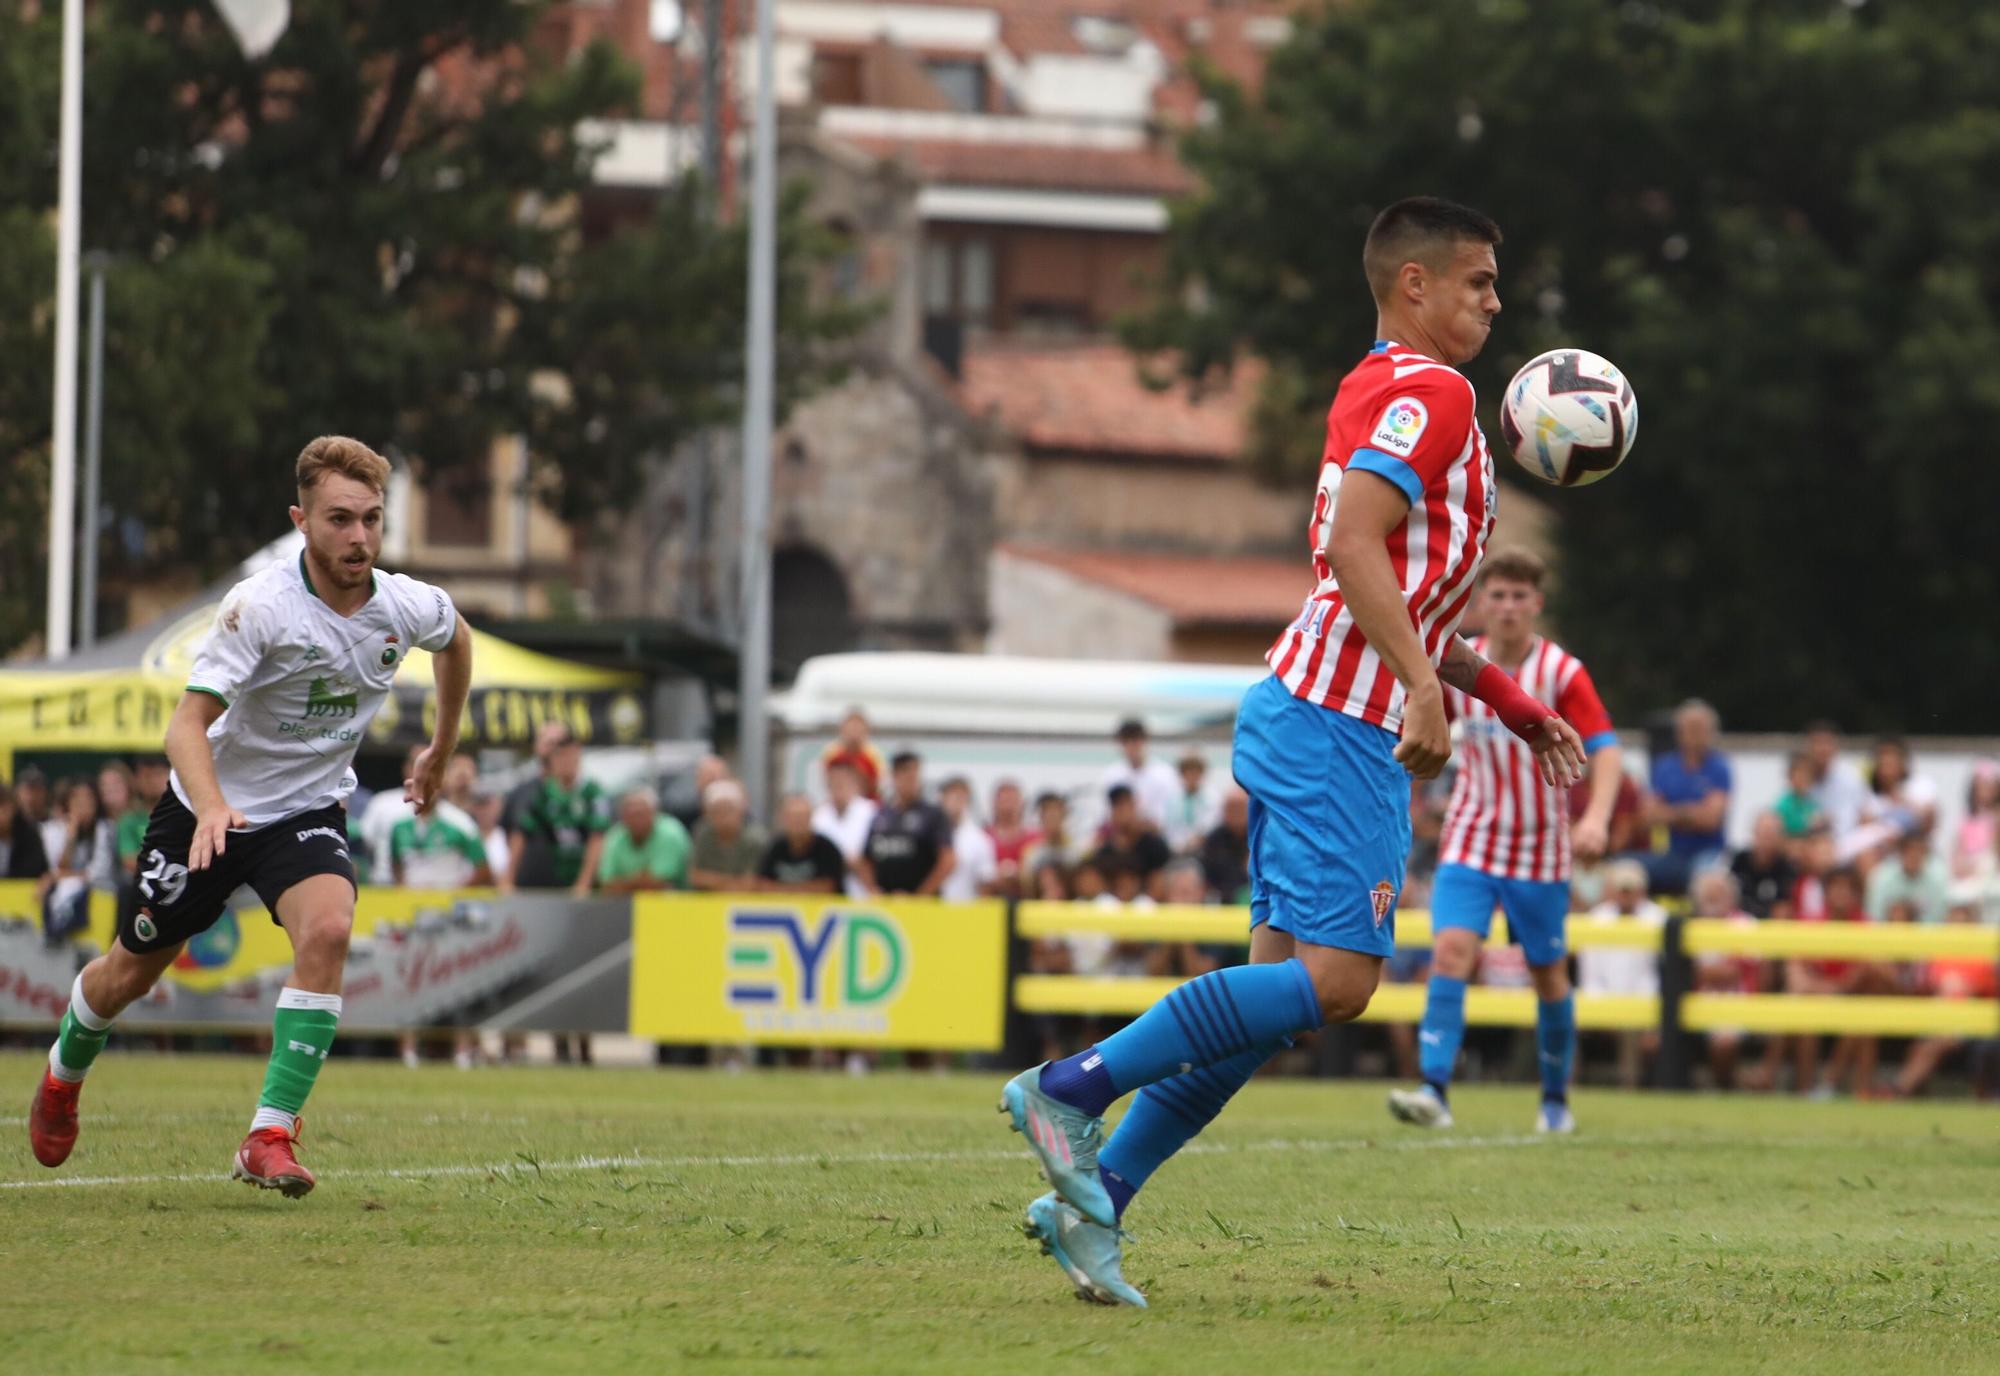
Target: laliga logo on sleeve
1402,426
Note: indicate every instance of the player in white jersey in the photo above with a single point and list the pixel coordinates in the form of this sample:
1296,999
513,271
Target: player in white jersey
1507,844
282,690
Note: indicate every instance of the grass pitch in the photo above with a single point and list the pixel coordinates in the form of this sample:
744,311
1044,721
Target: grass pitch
575,1221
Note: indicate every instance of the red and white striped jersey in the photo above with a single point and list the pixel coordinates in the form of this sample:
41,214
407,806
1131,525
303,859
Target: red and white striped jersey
1407,418
1503,820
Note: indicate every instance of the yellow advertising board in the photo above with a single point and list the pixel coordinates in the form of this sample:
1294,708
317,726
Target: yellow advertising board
796,970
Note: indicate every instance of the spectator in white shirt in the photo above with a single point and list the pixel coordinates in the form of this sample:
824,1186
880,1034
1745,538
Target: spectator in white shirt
1154,784
845,817
1196,807
1623,970
1836,785
978,866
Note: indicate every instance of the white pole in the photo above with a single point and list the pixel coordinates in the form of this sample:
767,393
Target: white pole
754,656
69,242
93,458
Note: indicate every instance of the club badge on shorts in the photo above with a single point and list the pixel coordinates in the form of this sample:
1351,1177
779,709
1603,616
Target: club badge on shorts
1382,898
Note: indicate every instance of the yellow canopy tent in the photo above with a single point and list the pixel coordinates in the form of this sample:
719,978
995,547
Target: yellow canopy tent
125,708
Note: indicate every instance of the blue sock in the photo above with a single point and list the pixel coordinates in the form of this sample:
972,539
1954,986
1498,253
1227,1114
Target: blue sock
1167,1115
1441,1032
1204,1021
1555,1045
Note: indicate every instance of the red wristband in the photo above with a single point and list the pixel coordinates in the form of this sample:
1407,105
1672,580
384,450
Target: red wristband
1518,712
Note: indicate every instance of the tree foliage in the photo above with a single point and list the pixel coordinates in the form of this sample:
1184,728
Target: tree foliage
1781,218
374,232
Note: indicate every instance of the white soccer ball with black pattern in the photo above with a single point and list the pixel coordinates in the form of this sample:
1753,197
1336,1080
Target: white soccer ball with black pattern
1569,417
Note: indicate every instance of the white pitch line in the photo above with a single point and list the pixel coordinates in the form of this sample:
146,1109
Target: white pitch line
877,1158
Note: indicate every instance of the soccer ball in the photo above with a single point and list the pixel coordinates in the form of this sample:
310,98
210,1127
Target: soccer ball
1569,417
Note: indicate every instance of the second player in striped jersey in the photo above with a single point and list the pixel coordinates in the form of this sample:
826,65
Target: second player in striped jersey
1507,844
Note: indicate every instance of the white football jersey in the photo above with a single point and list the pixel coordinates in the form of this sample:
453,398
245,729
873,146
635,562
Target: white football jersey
301,683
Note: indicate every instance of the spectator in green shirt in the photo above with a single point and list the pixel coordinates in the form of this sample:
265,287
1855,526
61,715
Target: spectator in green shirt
645,850
726,847
556,824
118,793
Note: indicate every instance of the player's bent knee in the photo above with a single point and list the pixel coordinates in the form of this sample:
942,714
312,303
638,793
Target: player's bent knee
1343,982
1456,951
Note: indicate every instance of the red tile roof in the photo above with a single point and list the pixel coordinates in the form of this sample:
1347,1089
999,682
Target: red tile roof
1236,590
1088,398
1126,171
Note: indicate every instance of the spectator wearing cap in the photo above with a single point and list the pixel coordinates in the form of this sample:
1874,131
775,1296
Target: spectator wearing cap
1690,798
1154,785
1129,845
21,852
853,748
645,850
727,847
976,866
845,816
909,846
1195,809
799,859
1914,878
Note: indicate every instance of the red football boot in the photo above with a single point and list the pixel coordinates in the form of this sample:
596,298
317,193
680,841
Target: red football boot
265,1160
52,1119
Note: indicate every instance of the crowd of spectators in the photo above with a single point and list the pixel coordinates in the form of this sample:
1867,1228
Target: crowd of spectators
1838,844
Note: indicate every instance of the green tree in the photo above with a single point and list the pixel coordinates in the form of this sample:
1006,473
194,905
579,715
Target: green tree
374,231
1781,219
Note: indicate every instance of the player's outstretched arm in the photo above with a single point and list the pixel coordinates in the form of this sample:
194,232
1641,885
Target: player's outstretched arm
452,670
188,752
1358,552
1558,749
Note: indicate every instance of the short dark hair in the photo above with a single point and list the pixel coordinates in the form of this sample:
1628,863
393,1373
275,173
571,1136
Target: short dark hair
1514,565
1116,794
1843,874
1419,229
955,781
903,757
1130,729
1043,799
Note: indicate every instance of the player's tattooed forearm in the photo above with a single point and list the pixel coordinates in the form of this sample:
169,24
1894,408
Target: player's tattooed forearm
1461,666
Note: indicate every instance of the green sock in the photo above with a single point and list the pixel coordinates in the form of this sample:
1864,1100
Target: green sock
301,1032
80,1038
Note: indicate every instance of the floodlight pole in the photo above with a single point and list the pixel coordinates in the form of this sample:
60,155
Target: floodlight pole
754,656
69,243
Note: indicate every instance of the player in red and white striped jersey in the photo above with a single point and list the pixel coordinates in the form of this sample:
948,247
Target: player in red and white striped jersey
1507,843
1403,506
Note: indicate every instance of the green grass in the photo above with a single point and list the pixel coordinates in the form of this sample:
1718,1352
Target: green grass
571,1221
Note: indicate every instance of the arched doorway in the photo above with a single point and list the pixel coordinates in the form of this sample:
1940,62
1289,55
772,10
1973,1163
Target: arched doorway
811,613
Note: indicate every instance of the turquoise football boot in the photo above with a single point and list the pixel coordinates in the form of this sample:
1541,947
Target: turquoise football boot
1065,1140
1088,1254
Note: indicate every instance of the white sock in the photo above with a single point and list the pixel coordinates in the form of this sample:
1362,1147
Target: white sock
268,1117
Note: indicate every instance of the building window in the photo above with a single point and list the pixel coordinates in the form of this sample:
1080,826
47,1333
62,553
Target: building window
836,78
962,83
937,278
975,281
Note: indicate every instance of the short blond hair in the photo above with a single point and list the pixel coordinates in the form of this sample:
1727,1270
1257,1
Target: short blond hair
350,458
